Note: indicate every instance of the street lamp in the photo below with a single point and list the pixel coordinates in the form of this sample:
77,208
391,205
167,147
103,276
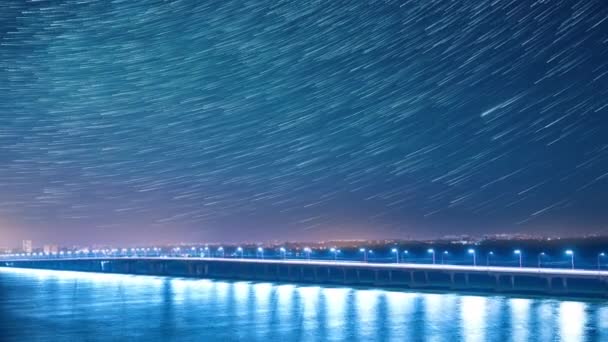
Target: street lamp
432,251
488,258
221,250
571,254
240,250
261,252
206,251
307,250
364,251
283,252
540,257
472,251
335,251
396,251
405,254
599,256
443,255
518,252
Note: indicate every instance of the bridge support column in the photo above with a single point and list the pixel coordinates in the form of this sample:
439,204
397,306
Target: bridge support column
512,282
565,283
426,277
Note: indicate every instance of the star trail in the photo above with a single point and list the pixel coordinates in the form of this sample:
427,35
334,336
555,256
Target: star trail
254,120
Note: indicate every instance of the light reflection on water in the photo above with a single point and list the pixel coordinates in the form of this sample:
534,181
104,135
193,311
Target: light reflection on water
47,305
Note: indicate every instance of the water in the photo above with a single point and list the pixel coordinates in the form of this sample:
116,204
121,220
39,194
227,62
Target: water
38,305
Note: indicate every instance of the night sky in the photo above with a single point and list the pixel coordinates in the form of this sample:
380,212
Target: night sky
250,120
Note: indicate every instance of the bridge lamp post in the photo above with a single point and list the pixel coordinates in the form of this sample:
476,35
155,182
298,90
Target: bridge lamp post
405,254
206,251
540,258
490,254
599,257
308,251
472,252
283,253
221,251
396,251
571,254
261,252
443,256
432,251
239,250
518,252
335,251
364,251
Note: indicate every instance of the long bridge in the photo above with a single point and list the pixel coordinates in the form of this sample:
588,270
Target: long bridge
456,278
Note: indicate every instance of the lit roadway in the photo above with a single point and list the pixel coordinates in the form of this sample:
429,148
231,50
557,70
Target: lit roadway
393,266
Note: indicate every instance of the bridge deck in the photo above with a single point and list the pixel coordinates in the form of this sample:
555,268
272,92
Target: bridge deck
557,272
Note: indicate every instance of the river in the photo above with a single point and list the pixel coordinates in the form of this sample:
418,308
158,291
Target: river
41,305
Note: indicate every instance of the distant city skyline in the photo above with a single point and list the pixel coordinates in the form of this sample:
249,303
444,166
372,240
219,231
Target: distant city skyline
150,122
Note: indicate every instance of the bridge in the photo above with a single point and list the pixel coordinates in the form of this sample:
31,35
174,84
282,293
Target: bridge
453,278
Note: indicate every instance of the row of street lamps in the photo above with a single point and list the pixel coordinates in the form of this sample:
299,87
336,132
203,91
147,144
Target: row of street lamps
239,252
490,254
